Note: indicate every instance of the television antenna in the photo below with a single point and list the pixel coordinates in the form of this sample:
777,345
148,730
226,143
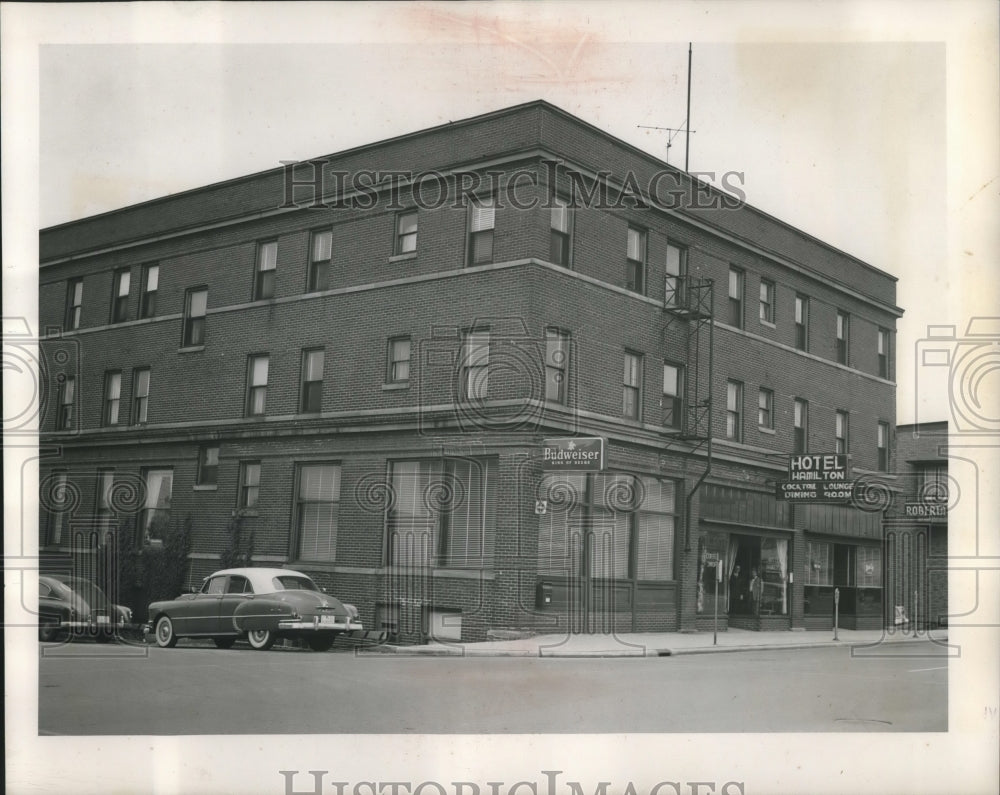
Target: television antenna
686,129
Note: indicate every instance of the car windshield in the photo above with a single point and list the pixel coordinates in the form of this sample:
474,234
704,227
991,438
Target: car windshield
288,582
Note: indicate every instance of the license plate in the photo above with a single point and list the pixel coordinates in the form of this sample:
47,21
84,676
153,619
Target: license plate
103,620
327,619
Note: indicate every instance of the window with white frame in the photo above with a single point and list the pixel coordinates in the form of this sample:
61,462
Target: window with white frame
195,309
120,296
635,260
800,419
140,395
406,232
559,233
112,397
482,217
443,513
632,386
155,514
74,303
673,391
736,278
842,433
150,286
475,364
766,301
311,399
208,465
249,484
317,507
882,445
802,322
673,294
765,408
66,409
884,357
734,411
398,364
843,337
320,254
266,271
104,513
56,508
258,365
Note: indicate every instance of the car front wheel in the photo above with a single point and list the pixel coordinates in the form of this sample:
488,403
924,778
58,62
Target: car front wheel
322,641
261,639
165,637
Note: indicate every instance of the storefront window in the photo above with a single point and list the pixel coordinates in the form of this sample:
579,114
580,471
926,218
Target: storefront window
774,574
818,560
869,567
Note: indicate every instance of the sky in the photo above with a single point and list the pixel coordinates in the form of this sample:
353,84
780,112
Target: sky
870,125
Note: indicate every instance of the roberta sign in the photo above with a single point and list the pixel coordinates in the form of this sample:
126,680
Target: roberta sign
585,454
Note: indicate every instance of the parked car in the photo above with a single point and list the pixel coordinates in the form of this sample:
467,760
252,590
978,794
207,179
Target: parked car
258,604
72,606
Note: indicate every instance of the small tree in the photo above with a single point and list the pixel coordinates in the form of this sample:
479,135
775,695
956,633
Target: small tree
238,549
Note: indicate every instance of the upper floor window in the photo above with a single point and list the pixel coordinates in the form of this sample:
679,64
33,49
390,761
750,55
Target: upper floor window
398,364
933,483
105,487
320,254
257,368
735,317
734,411
155,514
317,505
802,322
556,365
765,409
74,303
66,411
56,508
843,337
842,433
632,386
312,380
884,357
882,445
208,465
112,397
800,440
482,217
559,235
249,484
475,365
195,308
267,269
150,285
119,299
635,260
673,390
676,272
406,232
140,395
766,301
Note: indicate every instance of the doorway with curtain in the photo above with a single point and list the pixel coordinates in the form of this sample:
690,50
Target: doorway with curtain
754,590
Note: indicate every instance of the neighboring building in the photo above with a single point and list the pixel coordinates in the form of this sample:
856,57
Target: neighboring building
370,386
917,529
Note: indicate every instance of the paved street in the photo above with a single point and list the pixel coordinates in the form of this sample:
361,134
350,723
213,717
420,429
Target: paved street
121,689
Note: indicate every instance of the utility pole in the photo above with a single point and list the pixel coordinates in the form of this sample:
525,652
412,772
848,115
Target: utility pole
687,123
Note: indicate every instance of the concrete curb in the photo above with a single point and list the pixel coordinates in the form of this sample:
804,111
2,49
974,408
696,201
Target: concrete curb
471,650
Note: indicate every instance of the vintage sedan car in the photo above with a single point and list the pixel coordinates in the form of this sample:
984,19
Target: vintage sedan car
258,604
75,607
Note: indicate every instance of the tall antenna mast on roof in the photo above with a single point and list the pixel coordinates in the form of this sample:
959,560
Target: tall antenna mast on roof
686,129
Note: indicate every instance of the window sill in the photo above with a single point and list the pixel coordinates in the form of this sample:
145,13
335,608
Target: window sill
395,386
768,323
769,431
402,257
190,348
205,487
246,513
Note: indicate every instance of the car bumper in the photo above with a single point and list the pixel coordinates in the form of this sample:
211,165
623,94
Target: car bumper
97,626
314,625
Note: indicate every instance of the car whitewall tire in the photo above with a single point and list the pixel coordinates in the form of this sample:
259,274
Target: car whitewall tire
165,637
260,639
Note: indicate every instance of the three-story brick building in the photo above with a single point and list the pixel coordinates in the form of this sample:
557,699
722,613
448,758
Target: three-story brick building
363,359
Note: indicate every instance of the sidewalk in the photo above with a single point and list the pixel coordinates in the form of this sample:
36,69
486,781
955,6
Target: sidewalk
662,644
